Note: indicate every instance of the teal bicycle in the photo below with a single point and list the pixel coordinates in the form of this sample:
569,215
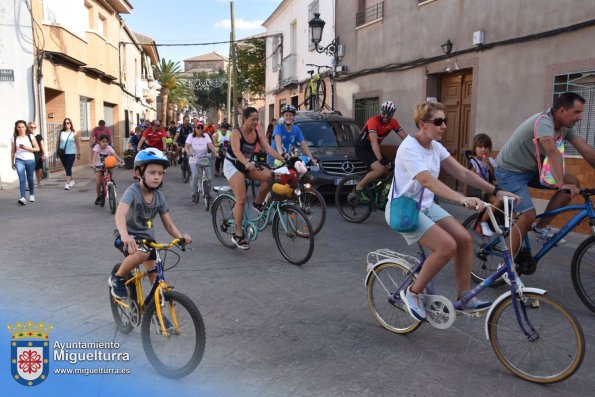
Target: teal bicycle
292,229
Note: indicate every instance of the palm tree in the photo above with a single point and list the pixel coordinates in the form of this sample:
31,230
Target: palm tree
167,74
181,96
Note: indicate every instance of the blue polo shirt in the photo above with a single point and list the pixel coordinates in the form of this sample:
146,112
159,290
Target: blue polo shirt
289,139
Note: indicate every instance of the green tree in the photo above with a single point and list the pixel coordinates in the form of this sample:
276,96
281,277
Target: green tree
251,66
167,73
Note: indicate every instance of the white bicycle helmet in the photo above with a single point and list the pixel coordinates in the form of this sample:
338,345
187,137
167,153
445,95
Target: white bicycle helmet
388,107
288,108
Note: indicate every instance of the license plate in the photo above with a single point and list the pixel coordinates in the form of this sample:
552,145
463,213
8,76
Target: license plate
350,182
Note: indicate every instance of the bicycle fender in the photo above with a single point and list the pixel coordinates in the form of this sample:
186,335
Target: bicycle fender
372,268
505,295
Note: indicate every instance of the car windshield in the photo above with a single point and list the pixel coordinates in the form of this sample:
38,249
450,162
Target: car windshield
329,134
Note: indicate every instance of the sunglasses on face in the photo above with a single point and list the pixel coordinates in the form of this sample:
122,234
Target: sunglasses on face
32,128
438,121
67,122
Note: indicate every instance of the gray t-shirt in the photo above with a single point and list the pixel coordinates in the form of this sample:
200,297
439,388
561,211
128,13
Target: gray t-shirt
518,153
140,213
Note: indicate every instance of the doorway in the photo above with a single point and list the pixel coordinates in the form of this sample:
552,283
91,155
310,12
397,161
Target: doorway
456,95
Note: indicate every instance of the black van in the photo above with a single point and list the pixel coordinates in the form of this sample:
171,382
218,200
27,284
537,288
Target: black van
330,137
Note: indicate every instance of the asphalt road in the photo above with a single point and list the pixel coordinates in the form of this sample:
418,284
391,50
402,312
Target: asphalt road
273,329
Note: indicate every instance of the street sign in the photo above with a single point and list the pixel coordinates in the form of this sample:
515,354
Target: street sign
6,75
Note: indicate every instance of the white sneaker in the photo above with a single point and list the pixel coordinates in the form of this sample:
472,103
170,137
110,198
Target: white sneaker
31,198
67,187
22,201
71,183
486,230
546,234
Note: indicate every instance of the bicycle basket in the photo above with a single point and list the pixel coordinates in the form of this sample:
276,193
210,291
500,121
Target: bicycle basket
204,161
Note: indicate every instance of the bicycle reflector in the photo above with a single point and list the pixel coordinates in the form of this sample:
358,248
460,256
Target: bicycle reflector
110,162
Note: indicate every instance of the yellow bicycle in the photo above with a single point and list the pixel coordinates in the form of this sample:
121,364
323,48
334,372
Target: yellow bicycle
315,94
172,328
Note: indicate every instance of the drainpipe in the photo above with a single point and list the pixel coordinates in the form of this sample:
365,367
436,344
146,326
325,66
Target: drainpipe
42,117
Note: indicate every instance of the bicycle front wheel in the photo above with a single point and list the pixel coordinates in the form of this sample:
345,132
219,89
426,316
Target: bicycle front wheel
319,98
293,234
111,192
308,98
486,256
206,193
223,223
353,208
180,351
384,301
313,205
555,348
185,170
582,272
102,194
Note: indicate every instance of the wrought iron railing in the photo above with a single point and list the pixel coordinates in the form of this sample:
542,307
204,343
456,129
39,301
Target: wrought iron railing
369,14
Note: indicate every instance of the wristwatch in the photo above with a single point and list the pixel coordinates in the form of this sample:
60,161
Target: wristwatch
496,189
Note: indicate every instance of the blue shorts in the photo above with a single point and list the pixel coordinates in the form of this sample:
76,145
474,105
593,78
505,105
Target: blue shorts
427,219
519,184
119,244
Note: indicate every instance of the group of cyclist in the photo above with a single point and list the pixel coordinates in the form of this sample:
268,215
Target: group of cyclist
417,165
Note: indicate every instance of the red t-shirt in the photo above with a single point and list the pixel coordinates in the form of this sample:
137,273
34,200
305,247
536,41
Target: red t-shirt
155,138
375,124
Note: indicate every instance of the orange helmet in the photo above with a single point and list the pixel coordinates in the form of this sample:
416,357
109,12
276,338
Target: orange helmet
110,162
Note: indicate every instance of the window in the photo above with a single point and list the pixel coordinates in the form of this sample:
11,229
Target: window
90,15
366,108
276,53
101,25
84,105
369,10
312,9
583,83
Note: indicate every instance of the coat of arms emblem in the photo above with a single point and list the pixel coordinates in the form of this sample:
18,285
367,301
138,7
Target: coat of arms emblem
29,352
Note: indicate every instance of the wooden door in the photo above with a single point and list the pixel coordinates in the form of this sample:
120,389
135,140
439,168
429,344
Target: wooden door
455,94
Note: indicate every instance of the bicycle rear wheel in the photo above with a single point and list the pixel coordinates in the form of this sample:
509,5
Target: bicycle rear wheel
389,310
120,314
206,193
180,351
582,271
486,257
223,223
554,351
320,98
293,234
353,209
313,205
308,98
111,189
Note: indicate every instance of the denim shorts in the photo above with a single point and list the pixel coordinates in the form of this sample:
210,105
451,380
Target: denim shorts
119,244
427,219
519,184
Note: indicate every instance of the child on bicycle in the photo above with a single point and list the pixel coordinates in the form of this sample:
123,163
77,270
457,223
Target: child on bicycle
484,166
100,152
139,205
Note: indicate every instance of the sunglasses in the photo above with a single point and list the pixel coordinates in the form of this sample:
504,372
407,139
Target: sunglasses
200,127
67,122
438,121
32,128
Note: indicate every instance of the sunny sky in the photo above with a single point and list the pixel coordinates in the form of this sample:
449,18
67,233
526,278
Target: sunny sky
196,21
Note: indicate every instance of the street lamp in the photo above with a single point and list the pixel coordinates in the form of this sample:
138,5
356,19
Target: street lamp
447,47
316,26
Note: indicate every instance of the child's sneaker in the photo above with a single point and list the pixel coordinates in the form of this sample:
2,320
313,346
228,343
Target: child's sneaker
473,305
240,242
118,287
545,234
486,230
22,201
414,303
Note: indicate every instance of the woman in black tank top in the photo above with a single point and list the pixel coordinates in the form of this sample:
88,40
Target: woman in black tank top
243,143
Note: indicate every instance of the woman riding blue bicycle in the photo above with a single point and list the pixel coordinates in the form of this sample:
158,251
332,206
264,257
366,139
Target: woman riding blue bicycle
417,166
238,166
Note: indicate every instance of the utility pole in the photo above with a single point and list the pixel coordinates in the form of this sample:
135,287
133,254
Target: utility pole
234,65
229,80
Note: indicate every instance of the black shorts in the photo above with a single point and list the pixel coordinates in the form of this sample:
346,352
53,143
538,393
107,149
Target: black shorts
119,244
364,153
38,164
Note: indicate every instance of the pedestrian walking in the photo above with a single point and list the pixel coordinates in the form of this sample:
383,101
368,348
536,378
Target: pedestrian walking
23,159
69,149
41,155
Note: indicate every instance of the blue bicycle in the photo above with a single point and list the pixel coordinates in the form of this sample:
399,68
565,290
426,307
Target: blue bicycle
292,229
534,336
488,253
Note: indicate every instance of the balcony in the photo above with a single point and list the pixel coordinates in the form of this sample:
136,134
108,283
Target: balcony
288,73
370,14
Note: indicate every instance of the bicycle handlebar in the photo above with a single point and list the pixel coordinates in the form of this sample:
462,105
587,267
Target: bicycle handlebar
180,242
